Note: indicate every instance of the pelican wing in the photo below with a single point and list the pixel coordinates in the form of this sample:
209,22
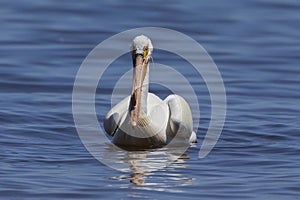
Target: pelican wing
115,116
180,120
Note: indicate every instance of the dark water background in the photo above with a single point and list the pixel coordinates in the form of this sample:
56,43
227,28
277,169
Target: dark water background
256,46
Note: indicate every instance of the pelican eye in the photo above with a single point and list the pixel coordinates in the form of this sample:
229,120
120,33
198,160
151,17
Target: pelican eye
145,52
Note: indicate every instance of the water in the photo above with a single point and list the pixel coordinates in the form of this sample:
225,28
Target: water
256,47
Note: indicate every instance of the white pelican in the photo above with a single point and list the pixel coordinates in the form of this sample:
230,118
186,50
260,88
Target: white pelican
143,120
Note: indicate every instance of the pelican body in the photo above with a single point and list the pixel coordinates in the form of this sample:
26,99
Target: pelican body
143,120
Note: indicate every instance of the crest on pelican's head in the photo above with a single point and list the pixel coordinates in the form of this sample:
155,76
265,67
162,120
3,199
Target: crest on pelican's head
142,45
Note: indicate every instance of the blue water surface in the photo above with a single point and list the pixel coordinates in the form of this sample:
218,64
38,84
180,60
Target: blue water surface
256,47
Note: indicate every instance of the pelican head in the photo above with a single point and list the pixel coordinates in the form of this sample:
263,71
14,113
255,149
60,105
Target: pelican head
141,53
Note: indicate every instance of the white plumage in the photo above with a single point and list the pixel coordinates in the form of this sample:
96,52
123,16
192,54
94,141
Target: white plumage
143,120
